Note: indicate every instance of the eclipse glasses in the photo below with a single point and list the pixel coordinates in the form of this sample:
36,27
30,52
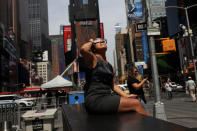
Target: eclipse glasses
100,41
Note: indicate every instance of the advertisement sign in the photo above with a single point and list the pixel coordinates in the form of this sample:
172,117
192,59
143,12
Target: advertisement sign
67,38
102,30
153,31
135,9
37,124
45,56
142,63
145,45
141,27
61,55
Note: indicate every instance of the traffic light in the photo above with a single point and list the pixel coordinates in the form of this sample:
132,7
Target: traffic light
168,45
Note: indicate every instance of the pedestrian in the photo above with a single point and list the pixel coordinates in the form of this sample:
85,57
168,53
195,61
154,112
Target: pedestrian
25,95
168,87
102,95
135,85
57,97
163,85
191,86
49,98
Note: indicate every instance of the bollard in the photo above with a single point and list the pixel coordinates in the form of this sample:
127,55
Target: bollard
5,127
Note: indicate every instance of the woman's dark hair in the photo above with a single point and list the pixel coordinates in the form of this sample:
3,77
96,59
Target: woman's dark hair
130,71
93,48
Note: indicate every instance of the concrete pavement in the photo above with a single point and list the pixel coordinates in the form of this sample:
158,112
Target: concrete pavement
180,110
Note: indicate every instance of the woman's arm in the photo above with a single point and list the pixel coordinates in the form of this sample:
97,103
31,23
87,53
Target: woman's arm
122,93
88,56
119,91
137,86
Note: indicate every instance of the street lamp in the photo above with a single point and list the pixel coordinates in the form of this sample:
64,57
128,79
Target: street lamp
189,32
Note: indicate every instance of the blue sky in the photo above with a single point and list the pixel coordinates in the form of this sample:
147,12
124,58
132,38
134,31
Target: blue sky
111,12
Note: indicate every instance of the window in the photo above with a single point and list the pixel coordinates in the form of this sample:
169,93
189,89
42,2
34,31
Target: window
85,2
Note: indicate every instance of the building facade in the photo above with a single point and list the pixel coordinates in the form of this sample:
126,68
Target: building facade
136,13
39,36
122,40
58,59
9,46
43,71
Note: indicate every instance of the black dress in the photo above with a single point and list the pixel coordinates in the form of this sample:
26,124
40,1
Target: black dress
99,95
132,90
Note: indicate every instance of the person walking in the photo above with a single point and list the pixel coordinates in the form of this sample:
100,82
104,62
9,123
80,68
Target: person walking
100,83
168,87
191,86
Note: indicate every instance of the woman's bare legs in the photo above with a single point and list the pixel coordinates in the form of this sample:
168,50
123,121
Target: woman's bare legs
131,104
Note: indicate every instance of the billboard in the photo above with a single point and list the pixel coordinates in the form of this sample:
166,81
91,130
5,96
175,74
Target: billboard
67,38
135,10
102,30
45,56
145,45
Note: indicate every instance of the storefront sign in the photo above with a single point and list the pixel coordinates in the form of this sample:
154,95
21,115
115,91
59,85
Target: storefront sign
37,124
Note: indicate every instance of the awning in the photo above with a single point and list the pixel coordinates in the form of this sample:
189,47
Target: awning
57,82
32,89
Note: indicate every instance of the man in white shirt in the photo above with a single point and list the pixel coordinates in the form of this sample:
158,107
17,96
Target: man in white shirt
192,87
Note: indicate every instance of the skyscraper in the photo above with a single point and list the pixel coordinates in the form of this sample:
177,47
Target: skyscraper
39,35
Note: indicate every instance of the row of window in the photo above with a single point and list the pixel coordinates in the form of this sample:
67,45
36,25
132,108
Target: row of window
42,65
40,70
34,5
42,75
33,1
33,16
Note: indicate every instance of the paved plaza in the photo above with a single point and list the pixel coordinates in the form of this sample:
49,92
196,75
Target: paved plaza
180,110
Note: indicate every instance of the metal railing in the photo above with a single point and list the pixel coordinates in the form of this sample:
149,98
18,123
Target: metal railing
9,116
11,113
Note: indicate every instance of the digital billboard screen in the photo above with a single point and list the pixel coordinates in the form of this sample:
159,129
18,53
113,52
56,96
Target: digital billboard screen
67,38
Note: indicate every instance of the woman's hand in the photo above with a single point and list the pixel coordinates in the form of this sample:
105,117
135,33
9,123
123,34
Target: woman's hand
91,40
129,95
145,79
